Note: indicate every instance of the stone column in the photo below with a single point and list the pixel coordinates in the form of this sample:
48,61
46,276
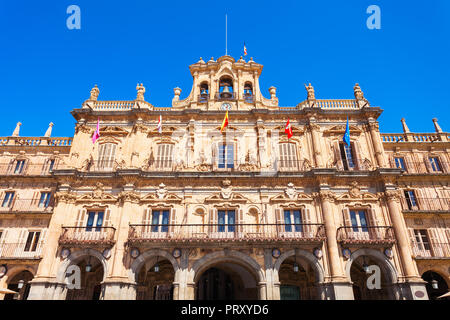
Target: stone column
377,145
117,285
413,280
316,146
43,284
341,287
262,288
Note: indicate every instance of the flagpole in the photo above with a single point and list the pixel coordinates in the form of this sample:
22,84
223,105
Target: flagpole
226,35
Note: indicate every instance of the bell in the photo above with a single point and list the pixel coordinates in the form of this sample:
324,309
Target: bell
226,92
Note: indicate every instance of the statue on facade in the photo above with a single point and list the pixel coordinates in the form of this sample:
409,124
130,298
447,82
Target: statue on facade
140,92
310,90
94,93
359,95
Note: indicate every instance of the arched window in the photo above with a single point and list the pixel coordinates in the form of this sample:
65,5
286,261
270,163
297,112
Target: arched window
204,92
248,92
226,91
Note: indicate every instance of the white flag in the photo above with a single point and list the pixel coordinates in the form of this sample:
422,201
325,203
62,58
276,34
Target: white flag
160,124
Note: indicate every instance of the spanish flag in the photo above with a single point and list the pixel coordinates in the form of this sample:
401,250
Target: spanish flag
224,123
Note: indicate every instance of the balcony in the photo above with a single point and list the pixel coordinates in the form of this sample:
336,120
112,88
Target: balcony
417,167
375,235
221,233
225,96
100,166
91,236
26,170
27,206
292,165
12,251
425,204
435,250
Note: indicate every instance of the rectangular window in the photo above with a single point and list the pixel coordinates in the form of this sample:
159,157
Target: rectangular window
358,220
347,155
164,156
19,166
7,200
400,163
226,156
226,219
160,221
44,201
51,164
411,200
435,164
288,156
107,155
422,240
32,241
95,218
293,218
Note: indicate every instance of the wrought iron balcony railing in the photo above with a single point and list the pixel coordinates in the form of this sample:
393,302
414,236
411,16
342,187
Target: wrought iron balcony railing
420,167
27,206
87,236
186,233
434,250
425,204
20,251
366,235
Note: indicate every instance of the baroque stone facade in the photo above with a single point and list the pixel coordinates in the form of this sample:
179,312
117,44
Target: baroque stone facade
189,212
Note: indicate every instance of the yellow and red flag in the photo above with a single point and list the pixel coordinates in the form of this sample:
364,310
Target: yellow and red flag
224,123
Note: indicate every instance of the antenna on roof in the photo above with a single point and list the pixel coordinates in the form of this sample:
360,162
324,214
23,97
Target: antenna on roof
226,35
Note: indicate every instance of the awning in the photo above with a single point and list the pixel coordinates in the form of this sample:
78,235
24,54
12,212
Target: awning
445,295
7,291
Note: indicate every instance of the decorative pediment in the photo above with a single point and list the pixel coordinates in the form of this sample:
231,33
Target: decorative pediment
283,197
341,130
234,197
166,131
105,197
113,131
161,196
295,130
236,130
365,196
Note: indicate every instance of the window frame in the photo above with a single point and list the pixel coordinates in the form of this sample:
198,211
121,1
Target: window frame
9,200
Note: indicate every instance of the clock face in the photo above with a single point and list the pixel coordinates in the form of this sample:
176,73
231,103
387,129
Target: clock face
225,106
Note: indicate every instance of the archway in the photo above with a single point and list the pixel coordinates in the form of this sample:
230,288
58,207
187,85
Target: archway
155,280
92,274
226,275
20,283
436,285
358,271
226,281
299,274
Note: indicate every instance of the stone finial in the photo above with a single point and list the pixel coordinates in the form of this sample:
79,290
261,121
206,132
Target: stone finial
140,92
17,130
405,127
177,93
211,60
201,61
94,93
359,95
48,133
436,126
310,90
273,92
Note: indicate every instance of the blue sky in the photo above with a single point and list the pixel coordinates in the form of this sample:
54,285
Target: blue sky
46,69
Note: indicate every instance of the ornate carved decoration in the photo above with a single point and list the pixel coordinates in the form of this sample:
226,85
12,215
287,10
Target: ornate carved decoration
97,194
392,195
129,196
283,197
65,197
290,191
326,195
83,128
139,127
340,129
113,131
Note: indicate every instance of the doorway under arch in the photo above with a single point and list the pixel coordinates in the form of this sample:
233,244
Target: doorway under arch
91,270
226,281
155,280
434,278
20,283
297,280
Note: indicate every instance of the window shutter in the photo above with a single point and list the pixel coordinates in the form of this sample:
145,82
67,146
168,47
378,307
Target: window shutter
146,220
346,216
81,218
421,203
35,199
11,166
213,220
240,220
279,220
412,237
25,167
23,234
374,232
107,219
337,156
4,236
15,196
42,240
443,164
358,156
435,245
173,220
307,228
426,159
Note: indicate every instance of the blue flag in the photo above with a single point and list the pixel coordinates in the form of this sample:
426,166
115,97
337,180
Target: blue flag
346,138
